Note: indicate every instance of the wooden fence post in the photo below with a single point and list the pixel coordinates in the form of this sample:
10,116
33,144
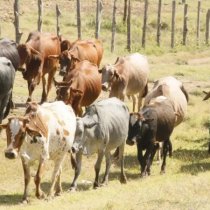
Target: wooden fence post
58,14
40,12
198,22
129,27
158,22
185,29
207,26
78,20
125,14
113,25
99,9
173,23
145,23
18,34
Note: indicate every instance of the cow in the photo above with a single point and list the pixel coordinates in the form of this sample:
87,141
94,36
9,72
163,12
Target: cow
34,54
7,77
102,128
128,76
174,90
8,49
80,87
154,123
45,132
91,50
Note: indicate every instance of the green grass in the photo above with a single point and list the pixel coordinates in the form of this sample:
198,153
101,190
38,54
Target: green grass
186,183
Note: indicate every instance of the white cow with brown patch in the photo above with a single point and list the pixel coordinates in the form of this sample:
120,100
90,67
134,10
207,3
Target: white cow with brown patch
45,132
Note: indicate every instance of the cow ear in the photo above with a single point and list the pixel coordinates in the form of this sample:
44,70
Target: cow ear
74,53
147,120
116,74
100,71
3,126
89,123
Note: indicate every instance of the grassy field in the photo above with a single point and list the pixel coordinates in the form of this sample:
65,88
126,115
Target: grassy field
186,184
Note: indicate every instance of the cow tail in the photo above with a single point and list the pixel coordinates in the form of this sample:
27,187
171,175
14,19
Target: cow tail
145,90
185,93
73,162
115,155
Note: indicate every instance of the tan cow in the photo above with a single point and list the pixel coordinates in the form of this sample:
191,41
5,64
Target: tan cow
128,76
174,90
34,55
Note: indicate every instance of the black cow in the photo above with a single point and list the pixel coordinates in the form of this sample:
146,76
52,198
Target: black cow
8,49
7,76
154,123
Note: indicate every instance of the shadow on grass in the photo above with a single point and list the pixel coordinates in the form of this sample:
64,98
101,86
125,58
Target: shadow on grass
190,155
10,199
195,168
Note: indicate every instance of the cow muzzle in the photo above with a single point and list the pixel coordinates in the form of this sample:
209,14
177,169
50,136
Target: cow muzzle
12,154
104,87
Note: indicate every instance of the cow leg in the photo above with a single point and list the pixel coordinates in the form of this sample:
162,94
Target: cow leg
108,165
77,170
37,179
123,178
56,176
170,148
97,168
31,86
165,151
44,94
140,156
134,102
139,101
149,163
27,177
49,80
146,162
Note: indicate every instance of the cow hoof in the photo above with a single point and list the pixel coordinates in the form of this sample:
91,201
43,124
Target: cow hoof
162,172
123,180
41,196
24,201
72,189
95,186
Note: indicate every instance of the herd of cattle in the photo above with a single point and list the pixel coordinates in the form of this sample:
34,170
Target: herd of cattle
52,130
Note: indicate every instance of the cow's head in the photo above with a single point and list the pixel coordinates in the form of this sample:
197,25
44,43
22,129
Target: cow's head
30,60
15,131
138,127
109,75
62,90
80,135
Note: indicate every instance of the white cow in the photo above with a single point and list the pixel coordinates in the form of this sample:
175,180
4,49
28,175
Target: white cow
45,132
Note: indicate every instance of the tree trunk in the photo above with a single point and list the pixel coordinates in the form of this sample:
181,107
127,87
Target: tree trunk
58,14
185,29
18,34
198,22
125,14
40,11
207,26
99,9
173,23
78,20
145,23
113,26
129,26
158,22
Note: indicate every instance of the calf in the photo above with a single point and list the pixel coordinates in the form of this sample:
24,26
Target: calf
44,133
154,123
103,128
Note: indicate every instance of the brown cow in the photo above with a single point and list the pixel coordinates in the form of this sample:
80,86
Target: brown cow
91,50
34,54
80,87
128,76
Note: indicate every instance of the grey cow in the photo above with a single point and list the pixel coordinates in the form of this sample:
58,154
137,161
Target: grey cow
102,128
7,76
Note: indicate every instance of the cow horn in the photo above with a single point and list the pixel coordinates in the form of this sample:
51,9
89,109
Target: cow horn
33,51
62,84
53,56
